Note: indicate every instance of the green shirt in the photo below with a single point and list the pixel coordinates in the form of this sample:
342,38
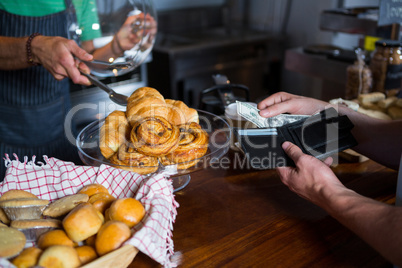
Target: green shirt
86,10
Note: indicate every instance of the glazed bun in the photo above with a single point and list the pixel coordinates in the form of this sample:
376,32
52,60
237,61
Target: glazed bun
53,238
28,257
82,222
111,236
92,189
86,254
101,201
59,256
90,241
127,210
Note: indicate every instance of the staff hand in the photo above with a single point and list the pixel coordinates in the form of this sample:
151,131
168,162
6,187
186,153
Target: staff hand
61,57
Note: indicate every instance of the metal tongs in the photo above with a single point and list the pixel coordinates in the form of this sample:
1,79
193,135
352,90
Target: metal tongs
114,96
110,66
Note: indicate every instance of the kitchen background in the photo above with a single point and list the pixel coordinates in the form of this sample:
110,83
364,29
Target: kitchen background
257,43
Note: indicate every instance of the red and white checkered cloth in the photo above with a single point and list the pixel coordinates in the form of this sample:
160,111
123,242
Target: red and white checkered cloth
55,179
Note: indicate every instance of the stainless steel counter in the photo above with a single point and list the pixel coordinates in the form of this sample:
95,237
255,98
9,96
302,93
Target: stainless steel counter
184,63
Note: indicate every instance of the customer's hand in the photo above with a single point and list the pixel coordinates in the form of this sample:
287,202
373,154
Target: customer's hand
311,179
283,102
61,57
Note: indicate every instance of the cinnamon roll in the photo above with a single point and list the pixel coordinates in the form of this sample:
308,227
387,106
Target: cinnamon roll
128,158
154,136
113,133
193,144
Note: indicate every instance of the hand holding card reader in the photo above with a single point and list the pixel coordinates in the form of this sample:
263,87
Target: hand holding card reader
320,135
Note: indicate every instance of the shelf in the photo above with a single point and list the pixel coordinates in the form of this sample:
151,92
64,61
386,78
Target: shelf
338,21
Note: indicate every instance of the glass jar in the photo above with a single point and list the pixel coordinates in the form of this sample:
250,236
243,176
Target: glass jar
358,77
386,65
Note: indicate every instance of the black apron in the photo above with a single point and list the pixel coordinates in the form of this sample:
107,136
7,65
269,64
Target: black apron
33,104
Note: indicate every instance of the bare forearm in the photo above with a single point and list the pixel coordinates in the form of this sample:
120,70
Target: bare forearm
377,223
379,140
13,53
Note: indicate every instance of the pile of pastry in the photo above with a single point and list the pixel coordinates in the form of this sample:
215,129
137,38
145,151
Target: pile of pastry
378,105
375,104
69,232
153,130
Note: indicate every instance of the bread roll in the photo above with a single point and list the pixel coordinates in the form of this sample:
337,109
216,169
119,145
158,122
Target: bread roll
82,222
107,218
111,236
27,258
179,113
145,102
90,241
113,133
386,103
374,114
59,256
54,237
92,189
399,103
372,97
127,210
373,106
86,254
101,201
395,112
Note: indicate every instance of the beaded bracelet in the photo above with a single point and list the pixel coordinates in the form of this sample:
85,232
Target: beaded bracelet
29,51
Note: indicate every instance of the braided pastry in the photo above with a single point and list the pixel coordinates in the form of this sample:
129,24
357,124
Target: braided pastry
193,144
129,159
145,102
154,136
113,133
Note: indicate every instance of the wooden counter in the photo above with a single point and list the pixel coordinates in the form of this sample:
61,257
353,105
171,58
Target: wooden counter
247,218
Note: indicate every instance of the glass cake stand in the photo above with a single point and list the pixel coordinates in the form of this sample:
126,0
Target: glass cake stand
219,140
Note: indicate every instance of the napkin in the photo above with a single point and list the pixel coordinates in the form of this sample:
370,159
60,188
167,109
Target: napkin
55,178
